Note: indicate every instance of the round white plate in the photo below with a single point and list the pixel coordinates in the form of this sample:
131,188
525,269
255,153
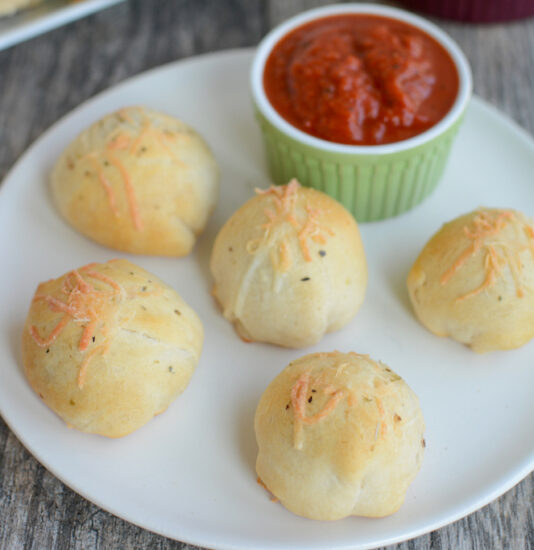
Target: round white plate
189,473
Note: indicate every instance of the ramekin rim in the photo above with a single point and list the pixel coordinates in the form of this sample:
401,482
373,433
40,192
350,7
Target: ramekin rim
272,37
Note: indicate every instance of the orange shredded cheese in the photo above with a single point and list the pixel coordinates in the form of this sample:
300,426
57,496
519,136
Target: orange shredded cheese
105,184
102,277
126,142
85,305
85,287
285,202
120,142
312,230
89,330
460,261
484,232
82,371
54,304
134,210
299,398
136,142
43,342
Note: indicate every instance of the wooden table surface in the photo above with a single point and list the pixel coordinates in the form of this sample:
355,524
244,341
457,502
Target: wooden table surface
43,79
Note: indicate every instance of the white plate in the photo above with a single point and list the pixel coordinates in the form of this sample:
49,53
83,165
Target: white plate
189,473
45,17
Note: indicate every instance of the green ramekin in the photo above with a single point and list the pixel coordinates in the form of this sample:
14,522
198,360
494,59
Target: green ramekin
373,182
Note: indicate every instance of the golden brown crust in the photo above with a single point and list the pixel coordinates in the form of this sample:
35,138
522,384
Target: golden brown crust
338,435
137,181
289,266
108,346
474,280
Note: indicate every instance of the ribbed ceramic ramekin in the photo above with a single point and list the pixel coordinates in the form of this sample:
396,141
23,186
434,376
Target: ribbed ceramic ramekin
374,181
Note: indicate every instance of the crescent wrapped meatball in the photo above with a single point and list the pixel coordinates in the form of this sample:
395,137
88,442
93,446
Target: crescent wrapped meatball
108,346
289,266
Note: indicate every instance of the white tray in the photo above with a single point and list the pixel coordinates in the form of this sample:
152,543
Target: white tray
45,17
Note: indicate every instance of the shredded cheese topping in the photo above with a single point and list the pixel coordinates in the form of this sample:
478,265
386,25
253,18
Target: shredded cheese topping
84,305
484,234
299,398
321,385
284,217
123,143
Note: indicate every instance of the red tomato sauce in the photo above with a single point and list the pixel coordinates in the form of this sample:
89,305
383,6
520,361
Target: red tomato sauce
360,79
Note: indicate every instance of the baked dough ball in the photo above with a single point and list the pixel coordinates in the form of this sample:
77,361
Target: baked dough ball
289,266
474,280
108,346
9,7
339,435
137,181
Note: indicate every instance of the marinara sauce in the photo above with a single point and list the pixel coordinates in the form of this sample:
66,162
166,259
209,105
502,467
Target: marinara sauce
360,79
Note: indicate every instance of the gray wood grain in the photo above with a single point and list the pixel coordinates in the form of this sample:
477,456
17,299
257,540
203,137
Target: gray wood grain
45,78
